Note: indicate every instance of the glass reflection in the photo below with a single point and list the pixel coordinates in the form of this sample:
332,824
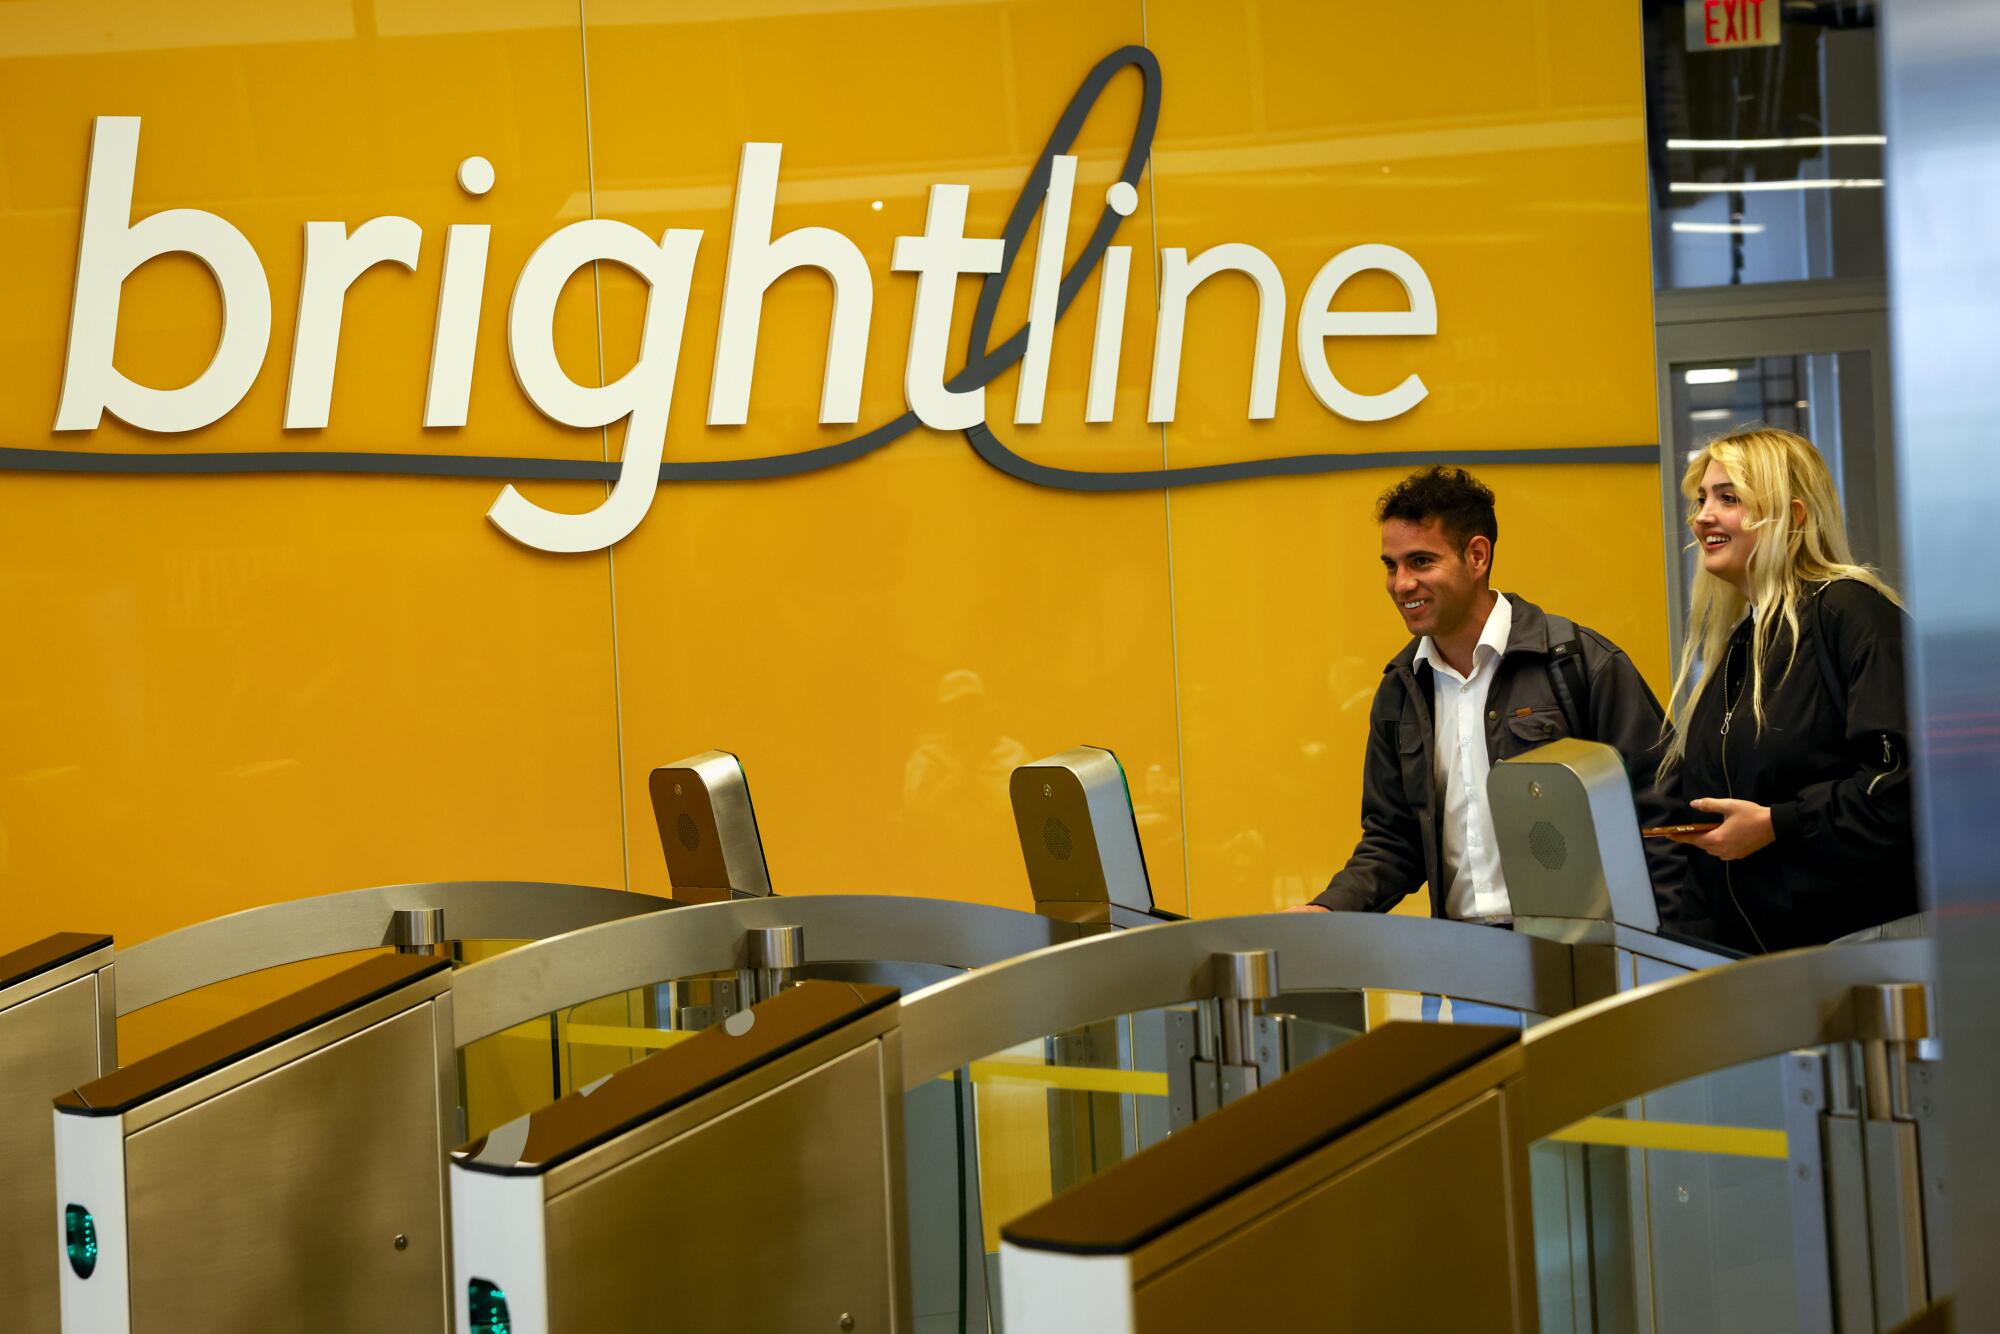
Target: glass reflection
1767,161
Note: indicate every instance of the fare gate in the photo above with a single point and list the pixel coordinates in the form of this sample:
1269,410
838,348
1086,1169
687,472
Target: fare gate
1296,1206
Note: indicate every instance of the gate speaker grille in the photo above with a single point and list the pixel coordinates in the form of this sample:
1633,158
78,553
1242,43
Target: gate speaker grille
1055,837
690,832
1546,842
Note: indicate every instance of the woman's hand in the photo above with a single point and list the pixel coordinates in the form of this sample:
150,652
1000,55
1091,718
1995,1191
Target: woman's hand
1746,828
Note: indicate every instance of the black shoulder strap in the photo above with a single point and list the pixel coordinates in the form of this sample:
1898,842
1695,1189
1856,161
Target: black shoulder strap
1568,677
1824,652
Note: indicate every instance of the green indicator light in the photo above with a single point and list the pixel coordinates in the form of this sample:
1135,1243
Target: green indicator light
80,1230
488,1307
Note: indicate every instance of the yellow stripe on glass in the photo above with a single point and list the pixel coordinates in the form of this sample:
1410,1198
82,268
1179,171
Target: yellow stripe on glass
1146,1083
1732,1141
622,1035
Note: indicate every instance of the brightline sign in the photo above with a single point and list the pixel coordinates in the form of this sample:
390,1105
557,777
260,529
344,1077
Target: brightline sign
112,246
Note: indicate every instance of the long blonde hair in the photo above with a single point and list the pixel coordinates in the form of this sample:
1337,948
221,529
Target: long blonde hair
1769,468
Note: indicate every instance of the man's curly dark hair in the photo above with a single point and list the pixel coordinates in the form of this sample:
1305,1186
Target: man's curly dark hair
1459,501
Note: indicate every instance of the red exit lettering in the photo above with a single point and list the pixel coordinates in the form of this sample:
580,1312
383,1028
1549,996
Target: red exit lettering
1729,22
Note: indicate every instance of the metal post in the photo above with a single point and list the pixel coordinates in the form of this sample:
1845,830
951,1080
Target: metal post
1890,1021
417,930
1244,980
775,952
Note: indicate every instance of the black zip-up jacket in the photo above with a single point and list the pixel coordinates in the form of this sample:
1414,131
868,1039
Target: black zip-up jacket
1402,841
1835,773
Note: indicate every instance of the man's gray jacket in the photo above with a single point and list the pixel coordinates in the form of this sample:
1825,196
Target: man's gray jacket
1402,808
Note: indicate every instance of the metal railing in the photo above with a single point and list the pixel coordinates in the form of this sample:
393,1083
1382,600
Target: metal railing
957,1021
1613,1051
359,919
550,975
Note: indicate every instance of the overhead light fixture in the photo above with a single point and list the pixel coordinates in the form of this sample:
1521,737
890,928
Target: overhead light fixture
1720,228
1708,414
1815,141
1757,187
1711,375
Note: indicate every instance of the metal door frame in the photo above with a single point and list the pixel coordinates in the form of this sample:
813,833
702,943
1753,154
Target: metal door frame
1811,318
1941,99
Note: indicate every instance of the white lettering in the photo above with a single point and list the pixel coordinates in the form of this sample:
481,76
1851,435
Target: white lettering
1043,294
449,395
1180,276
755,262
110,248
334,259
1318,323
1108,342
642,395
938,257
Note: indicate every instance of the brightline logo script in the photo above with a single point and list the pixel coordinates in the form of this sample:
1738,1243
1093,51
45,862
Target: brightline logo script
112,246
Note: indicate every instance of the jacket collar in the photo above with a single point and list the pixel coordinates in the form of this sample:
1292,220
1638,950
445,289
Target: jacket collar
1529,634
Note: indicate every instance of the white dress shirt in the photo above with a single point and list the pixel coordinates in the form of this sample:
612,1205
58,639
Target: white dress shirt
1474,888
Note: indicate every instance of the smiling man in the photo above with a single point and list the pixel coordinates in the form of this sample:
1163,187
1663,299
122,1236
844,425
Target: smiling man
1487,676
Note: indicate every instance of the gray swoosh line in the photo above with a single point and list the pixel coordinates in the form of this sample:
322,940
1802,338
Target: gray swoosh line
498,467
980,369
990,448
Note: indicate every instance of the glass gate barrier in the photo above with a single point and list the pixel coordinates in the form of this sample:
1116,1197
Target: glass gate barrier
1050,1069
614,1207
1751,1147
1697,1207
1030,1122
564,1012
675,978
1793,1193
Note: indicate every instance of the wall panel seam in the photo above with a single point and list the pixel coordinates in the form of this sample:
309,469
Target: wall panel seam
604,446
1167,504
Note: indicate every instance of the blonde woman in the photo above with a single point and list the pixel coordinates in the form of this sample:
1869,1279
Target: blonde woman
1787,727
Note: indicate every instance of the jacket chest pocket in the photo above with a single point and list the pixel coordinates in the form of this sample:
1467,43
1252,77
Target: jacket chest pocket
1411,759
1525,731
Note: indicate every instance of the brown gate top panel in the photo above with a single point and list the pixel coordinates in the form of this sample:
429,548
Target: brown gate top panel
265,1026
48,952
672,1078
1156,1191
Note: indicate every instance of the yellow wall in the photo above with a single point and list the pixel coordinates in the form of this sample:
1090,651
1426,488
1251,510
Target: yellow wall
222,691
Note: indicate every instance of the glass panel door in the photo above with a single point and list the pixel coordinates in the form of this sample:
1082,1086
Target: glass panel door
1823,376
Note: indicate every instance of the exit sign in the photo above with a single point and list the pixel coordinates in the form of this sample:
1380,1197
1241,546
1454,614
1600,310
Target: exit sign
1724,25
